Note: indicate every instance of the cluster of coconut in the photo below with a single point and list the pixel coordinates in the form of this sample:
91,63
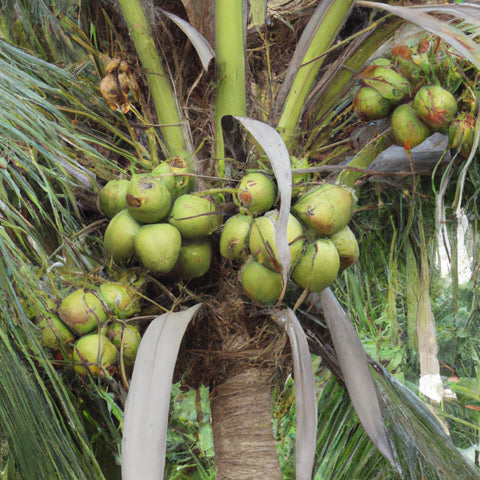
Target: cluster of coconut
417,109
158,222
320,241
90,326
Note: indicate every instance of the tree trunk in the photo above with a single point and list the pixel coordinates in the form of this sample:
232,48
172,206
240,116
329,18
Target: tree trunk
242,427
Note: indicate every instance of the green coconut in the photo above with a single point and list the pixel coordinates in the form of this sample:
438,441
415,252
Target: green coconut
234,237
82,311
325,209
166,174
112,197
260,283
262,243
347,247
54,332
318,266
94,353
148,197
194,259
461,134
119,236
256,193
158,246
126,338
435,106
369,104
407,127
389,83
120,299
299,180
195,216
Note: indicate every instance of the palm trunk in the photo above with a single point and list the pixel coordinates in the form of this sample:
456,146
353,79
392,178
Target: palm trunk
242,427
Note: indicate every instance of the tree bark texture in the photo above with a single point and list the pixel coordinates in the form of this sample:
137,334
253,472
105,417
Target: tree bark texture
242,427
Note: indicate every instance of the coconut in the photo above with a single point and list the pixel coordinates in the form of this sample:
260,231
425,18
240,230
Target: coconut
234,237
256,193
54,332
182,175
389,83
94,353
260,283
165,172
82,310
407,126
318,266
435,106
194,259
262,240
461,133
194,216
369,104
158,246
326,209
299,180
347,247
120,236
148,197
126,338
119,299
112,198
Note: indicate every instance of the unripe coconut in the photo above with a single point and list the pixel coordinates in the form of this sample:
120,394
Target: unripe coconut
182,175
112,198
194,216
158,246
194,259
126,338
119,236
260,283
347,247
82,310
94,353
148,198
165,173
390,84
120,299
407,127
299,180
369,104
234,237
256,193
262,240
54,332
461,133
435,106
325,209
318,266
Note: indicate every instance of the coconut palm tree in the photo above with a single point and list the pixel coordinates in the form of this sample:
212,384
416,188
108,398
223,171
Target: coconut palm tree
95,91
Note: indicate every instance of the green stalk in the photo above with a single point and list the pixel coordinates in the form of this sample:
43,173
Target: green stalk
329,20
230,53
158,80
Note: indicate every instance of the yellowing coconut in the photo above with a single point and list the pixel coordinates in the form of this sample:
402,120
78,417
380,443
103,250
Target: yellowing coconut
54,332
126,338
408,127
120,299
234,237
82,310
194,216
119,236
347,247
256,193
148,197
369,104
93,353
318,266
435,106
325,209
260,283
158,246
112,197
262,240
